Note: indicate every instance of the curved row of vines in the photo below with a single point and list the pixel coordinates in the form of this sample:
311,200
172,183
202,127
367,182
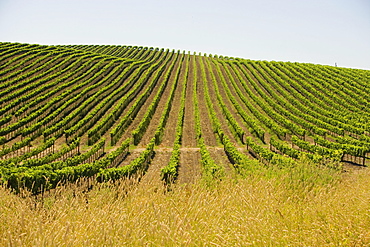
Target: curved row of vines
81,110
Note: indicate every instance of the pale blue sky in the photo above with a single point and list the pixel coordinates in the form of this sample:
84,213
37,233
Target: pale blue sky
314,31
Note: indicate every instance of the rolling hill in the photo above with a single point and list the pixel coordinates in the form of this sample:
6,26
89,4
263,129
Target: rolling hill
108,112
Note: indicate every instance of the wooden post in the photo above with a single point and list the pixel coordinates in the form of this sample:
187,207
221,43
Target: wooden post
363,160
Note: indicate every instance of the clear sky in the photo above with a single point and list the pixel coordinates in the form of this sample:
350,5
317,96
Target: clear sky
314,31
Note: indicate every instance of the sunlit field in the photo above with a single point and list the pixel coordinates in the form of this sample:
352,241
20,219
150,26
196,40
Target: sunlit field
116,145
301,206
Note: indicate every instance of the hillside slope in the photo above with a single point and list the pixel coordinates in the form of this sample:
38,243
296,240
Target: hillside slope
111,111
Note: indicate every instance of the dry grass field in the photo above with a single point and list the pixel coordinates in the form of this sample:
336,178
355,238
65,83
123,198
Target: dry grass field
300,206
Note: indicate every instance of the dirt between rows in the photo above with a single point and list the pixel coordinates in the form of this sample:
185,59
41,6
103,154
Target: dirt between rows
162,104
188,135
169,134
190,75
189,167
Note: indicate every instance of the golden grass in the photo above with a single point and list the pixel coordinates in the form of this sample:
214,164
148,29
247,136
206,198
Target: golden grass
317,208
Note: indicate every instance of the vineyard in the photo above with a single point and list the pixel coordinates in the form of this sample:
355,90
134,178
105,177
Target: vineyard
108,112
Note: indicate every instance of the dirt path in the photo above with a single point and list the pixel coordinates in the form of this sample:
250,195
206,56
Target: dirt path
205,121
107,135
169,132
220,157
161,105
130,157
152,176
124,112
189,169
188,136
145,106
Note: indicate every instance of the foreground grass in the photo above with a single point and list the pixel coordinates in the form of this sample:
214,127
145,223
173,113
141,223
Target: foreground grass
304,206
